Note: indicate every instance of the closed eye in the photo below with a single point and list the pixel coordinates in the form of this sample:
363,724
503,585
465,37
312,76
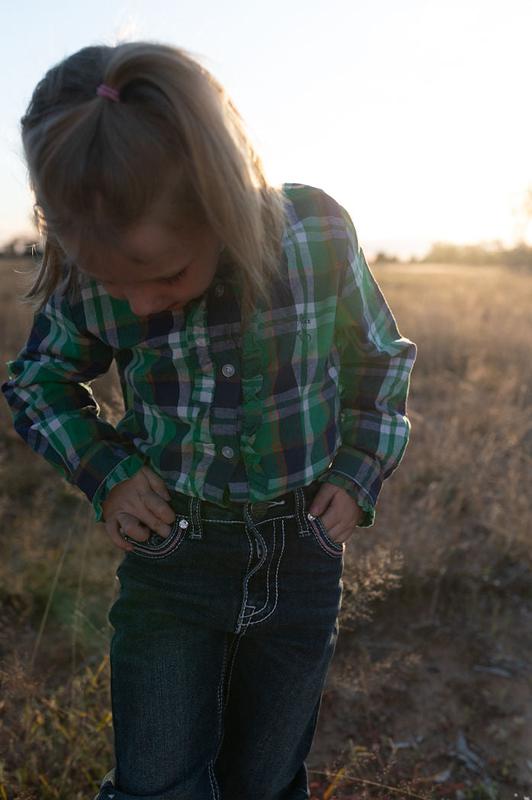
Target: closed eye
175,278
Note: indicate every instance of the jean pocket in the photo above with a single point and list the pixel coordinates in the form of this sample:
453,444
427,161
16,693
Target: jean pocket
159,547
328,545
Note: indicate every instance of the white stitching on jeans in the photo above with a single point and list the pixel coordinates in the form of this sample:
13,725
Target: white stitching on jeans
231,670
222,705
254,612
300,507
219,705
242,522
245,592
177,536
227,693
219,694
259,563
195,506
276,579
215,789
322,537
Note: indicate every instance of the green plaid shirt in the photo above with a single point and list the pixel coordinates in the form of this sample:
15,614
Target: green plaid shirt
316,388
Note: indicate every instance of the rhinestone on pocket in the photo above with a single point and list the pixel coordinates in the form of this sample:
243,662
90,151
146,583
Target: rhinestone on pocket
157,546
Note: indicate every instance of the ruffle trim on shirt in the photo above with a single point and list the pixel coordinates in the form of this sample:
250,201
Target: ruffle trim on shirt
356,492
253,369
204,378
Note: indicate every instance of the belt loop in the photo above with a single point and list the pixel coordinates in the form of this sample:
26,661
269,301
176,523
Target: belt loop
301,516
195,517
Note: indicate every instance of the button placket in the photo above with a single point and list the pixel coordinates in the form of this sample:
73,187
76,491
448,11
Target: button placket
253,368
224,319
228,370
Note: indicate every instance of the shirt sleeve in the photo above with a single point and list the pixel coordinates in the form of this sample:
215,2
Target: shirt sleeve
54,409
375,368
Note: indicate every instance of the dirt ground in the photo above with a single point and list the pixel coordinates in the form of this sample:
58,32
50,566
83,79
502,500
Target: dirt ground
432,701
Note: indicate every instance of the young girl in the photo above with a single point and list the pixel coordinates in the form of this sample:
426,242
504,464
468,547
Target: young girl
264,382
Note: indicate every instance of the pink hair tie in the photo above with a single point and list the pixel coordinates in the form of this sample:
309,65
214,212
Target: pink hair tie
107,91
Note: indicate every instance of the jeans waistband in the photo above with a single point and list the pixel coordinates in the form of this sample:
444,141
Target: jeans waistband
284,504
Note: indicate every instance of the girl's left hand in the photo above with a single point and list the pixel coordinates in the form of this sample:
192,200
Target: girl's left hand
337,510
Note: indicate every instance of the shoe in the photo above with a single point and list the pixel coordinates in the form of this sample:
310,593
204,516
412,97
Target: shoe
109,781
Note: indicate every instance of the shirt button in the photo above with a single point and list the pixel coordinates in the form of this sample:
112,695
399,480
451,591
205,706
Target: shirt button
219,289
228,370
228,452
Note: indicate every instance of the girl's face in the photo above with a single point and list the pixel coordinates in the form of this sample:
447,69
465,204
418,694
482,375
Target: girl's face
152,267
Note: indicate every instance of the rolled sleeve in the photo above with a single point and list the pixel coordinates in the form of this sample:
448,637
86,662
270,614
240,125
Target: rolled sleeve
376,362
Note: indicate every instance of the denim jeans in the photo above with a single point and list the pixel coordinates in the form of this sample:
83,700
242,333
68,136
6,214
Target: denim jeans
223,634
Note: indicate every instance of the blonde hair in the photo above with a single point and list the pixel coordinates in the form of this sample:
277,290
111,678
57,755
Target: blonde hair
95,166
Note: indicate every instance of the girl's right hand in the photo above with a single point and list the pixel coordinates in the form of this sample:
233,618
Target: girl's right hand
137,507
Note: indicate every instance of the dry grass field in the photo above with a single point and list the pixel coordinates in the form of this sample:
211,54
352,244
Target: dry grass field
430,692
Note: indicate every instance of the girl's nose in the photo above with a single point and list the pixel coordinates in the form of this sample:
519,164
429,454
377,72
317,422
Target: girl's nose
142,302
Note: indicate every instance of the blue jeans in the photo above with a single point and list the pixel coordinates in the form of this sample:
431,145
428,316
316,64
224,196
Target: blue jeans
223,634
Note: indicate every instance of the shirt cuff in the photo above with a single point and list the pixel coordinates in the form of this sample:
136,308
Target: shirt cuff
124,470
356,492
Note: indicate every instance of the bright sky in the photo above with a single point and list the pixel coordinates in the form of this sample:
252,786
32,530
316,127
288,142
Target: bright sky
414,114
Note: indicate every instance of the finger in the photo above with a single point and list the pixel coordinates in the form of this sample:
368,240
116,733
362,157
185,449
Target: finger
141,512
153,523
161,510
156,483
158,522
338,526
341,516
133,527
112,530
334,514
322,499
338,532
331,523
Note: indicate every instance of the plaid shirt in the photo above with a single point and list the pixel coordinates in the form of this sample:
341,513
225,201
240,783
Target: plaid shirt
316,388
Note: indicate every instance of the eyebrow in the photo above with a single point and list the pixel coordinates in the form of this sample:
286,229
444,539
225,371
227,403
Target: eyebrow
147,259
